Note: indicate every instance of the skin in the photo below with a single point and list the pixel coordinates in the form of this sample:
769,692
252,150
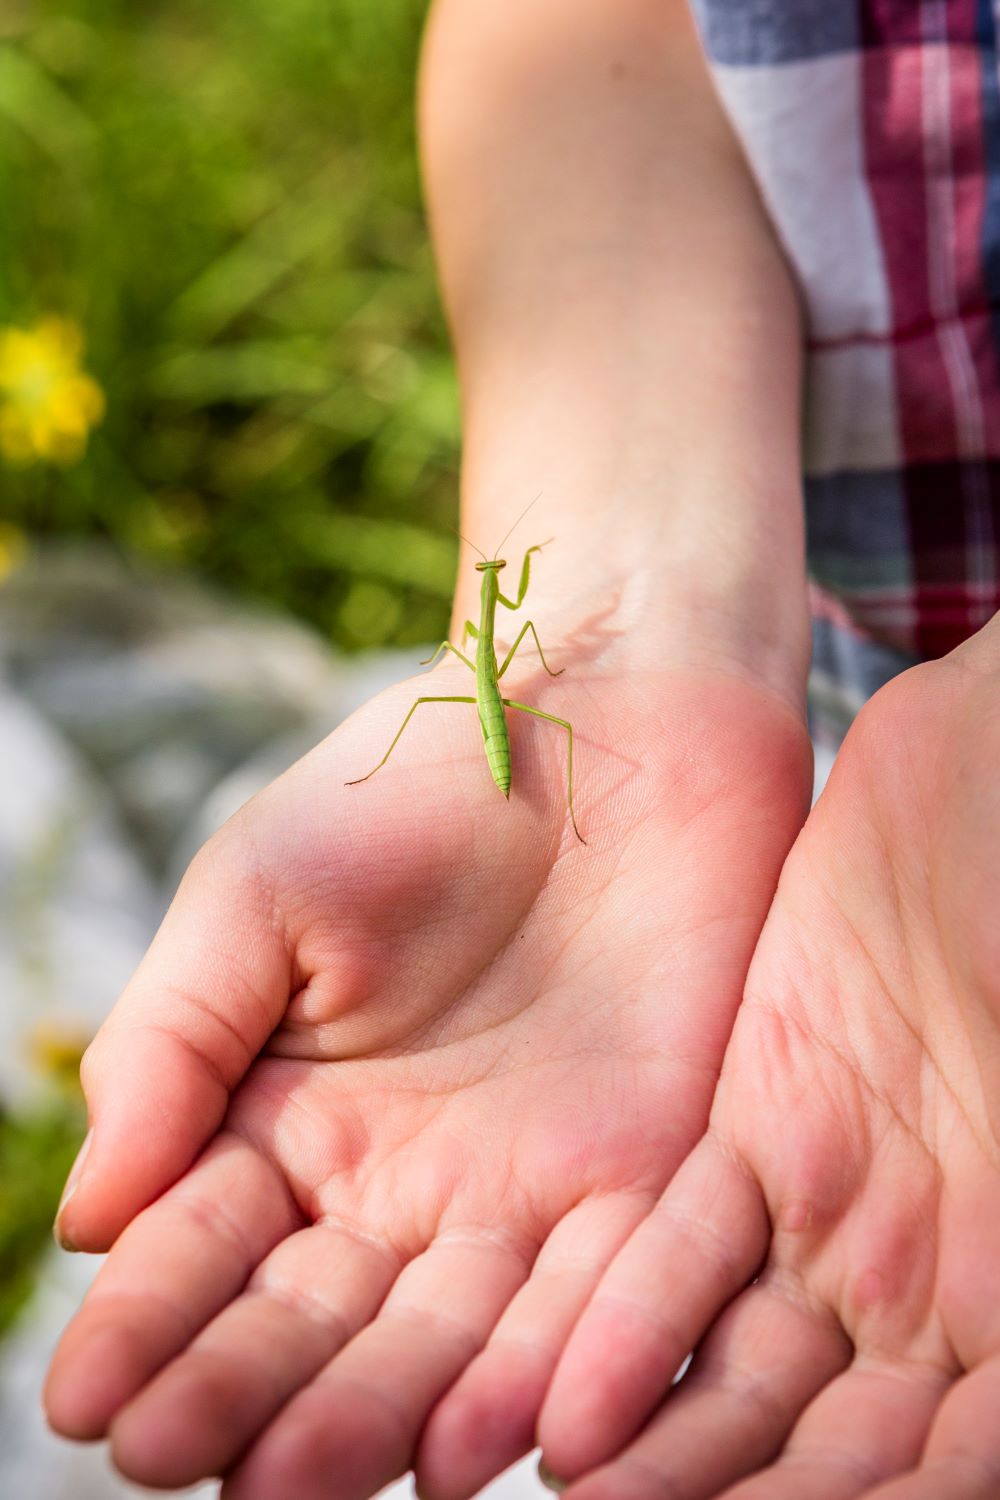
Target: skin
399,1079
474,1083
404,1088
851,1164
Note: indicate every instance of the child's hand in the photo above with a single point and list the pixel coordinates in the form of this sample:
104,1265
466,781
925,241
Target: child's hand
852,1164
404,1067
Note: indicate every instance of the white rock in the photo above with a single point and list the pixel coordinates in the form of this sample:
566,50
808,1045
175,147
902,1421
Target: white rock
76,907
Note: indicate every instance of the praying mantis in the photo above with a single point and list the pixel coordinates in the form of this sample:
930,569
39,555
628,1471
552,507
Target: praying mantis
489,703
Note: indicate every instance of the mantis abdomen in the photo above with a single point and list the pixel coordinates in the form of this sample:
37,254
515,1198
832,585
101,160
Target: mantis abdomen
496,736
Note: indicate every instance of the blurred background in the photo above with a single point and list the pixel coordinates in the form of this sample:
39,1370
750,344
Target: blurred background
228,460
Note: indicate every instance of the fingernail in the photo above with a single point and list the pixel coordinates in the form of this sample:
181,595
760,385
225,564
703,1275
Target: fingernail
550,1480
72,1183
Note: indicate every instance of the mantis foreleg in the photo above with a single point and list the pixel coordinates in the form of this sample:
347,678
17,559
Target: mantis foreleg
522,587
538,714
402,726
528,625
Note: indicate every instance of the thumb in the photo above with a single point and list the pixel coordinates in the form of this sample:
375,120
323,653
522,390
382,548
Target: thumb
159,1074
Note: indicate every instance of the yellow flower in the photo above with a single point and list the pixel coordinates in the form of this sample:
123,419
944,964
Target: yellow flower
55,1049
47,404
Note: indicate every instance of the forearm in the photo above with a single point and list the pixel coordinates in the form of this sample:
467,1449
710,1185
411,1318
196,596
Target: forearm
626,329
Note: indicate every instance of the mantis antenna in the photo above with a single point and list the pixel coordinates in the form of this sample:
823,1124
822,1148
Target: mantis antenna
465,539
517,522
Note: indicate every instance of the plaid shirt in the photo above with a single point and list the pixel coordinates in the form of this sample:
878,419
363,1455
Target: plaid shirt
873,130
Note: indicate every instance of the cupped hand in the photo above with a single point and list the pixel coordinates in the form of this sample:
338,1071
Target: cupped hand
830,1248
404,1068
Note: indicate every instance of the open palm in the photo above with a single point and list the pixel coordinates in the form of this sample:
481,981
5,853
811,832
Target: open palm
830,1247
403,1069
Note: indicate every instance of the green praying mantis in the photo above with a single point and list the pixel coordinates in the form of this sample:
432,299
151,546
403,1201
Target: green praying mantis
489,703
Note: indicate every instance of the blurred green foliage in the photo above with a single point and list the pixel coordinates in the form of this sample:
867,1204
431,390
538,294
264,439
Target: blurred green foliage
226,199
36,1153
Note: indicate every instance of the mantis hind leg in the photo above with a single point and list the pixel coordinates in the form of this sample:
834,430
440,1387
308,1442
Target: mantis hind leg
399,733
552,718
528,625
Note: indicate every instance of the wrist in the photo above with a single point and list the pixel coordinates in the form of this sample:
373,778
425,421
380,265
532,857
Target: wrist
664,452
641,587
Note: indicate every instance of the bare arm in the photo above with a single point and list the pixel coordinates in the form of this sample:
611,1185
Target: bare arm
626,327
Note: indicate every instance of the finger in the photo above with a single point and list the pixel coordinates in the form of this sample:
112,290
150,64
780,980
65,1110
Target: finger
306,1300
355,1428
762,1362
175,1267
946,1479
487,1420
866,1426
700,1245
159,1073
962,1457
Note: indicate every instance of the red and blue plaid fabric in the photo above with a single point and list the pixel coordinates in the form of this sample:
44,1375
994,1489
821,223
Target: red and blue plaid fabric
873,130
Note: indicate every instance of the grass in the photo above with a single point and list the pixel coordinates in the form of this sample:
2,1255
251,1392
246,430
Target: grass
226,200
